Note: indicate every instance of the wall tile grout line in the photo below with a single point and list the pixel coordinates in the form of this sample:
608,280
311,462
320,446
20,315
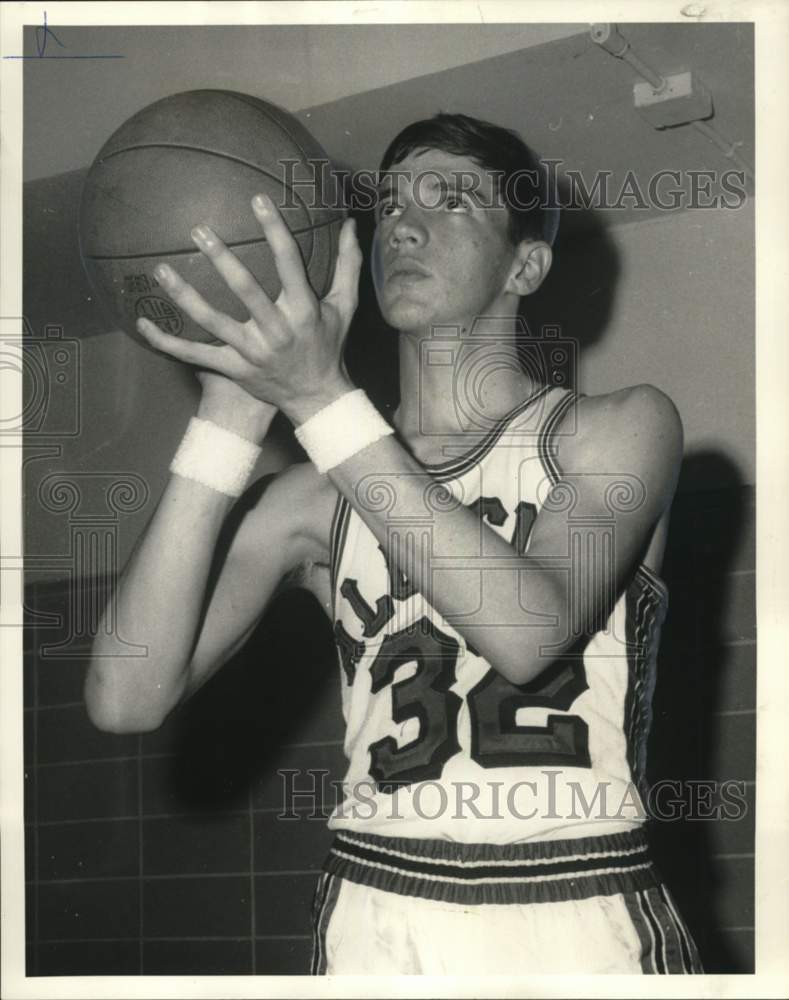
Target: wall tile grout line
230,814
179,876
61,704
215,937
125,758
155,755
284,937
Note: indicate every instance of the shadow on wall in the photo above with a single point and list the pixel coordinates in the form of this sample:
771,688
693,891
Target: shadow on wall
704,718
230,738
579,292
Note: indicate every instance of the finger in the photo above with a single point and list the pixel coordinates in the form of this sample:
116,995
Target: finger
224,359
187,298
287,255
238,279
345,285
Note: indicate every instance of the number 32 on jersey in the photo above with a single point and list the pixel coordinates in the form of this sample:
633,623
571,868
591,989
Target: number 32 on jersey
497,739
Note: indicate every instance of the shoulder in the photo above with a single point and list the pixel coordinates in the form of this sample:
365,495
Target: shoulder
630,417
636,430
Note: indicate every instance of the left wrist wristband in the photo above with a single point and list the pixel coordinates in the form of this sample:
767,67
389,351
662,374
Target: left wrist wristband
215,457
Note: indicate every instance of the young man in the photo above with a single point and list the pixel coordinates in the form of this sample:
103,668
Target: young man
490,570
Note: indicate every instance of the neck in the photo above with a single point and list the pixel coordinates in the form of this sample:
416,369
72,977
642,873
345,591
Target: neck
455,383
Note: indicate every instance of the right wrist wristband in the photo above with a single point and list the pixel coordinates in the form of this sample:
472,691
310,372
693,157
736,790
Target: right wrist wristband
341,429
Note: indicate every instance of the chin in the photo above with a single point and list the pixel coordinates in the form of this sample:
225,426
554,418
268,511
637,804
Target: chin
407,315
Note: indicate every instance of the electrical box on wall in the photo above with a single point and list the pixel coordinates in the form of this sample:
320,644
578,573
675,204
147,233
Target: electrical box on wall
683,99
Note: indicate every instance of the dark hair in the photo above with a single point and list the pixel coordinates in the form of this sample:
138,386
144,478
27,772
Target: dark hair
519,177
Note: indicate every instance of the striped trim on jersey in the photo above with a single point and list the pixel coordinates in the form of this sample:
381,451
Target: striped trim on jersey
325,899
472,874
646,602
666,944
546,448
339,529
457,467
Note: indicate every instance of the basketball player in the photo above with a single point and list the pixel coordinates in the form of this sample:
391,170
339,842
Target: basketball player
489,564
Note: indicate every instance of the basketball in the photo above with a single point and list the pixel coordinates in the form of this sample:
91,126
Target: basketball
200,157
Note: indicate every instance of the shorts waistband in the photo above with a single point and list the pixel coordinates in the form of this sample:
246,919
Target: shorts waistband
536,872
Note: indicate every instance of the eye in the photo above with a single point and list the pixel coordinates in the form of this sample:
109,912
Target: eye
456,202
387,209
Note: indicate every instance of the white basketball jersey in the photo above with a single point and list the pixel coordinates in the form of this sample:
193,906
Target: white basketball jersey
440,745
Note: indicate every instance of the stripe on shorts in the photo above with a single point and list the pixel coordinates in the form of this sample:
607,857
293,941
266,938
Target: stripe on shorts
666,944
326,893
535,872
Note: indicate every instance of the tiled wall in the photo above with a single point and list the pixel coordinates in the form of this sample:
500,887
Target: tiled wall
165,853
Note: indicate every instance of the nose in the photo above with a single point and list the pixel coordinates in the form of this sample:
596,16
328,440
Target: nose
408,230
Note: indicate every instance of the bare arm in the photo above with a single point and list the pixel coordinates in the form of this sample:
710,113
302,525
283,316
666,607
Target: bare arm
195,587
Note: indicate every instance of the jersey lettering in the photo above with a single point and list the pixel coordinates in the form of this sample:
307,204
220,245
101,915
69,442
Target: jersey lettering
424,696
525,513
498,741
351,651
491,509
373,620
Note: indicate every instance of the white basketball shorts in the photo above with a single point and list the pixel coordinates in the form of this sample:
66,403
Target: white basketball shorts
591,905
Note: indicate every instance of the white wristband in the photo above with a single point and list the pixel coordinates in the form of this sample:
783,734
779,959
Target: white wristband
341,429
216,457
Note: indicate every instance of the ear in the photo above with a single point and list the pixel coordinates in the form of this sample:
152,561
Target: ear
530,266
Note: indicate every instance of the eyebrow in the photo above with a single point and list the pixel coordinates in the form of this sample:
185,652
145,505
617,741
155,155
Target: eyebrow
387,186
386,181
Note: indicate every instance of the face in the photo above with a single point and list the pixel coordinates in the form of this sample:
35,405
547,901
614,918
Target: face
441,253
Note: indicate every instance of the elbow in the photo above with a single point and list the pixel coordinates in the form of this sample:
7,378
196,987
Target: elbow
519,672
112,712
520,659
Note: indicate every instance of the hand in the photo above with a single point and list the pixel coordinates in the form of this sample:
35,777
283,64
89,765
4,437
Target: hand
289,352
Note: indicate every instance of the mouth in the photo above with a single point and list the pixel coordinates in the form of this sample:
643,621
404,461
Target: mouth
406,269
